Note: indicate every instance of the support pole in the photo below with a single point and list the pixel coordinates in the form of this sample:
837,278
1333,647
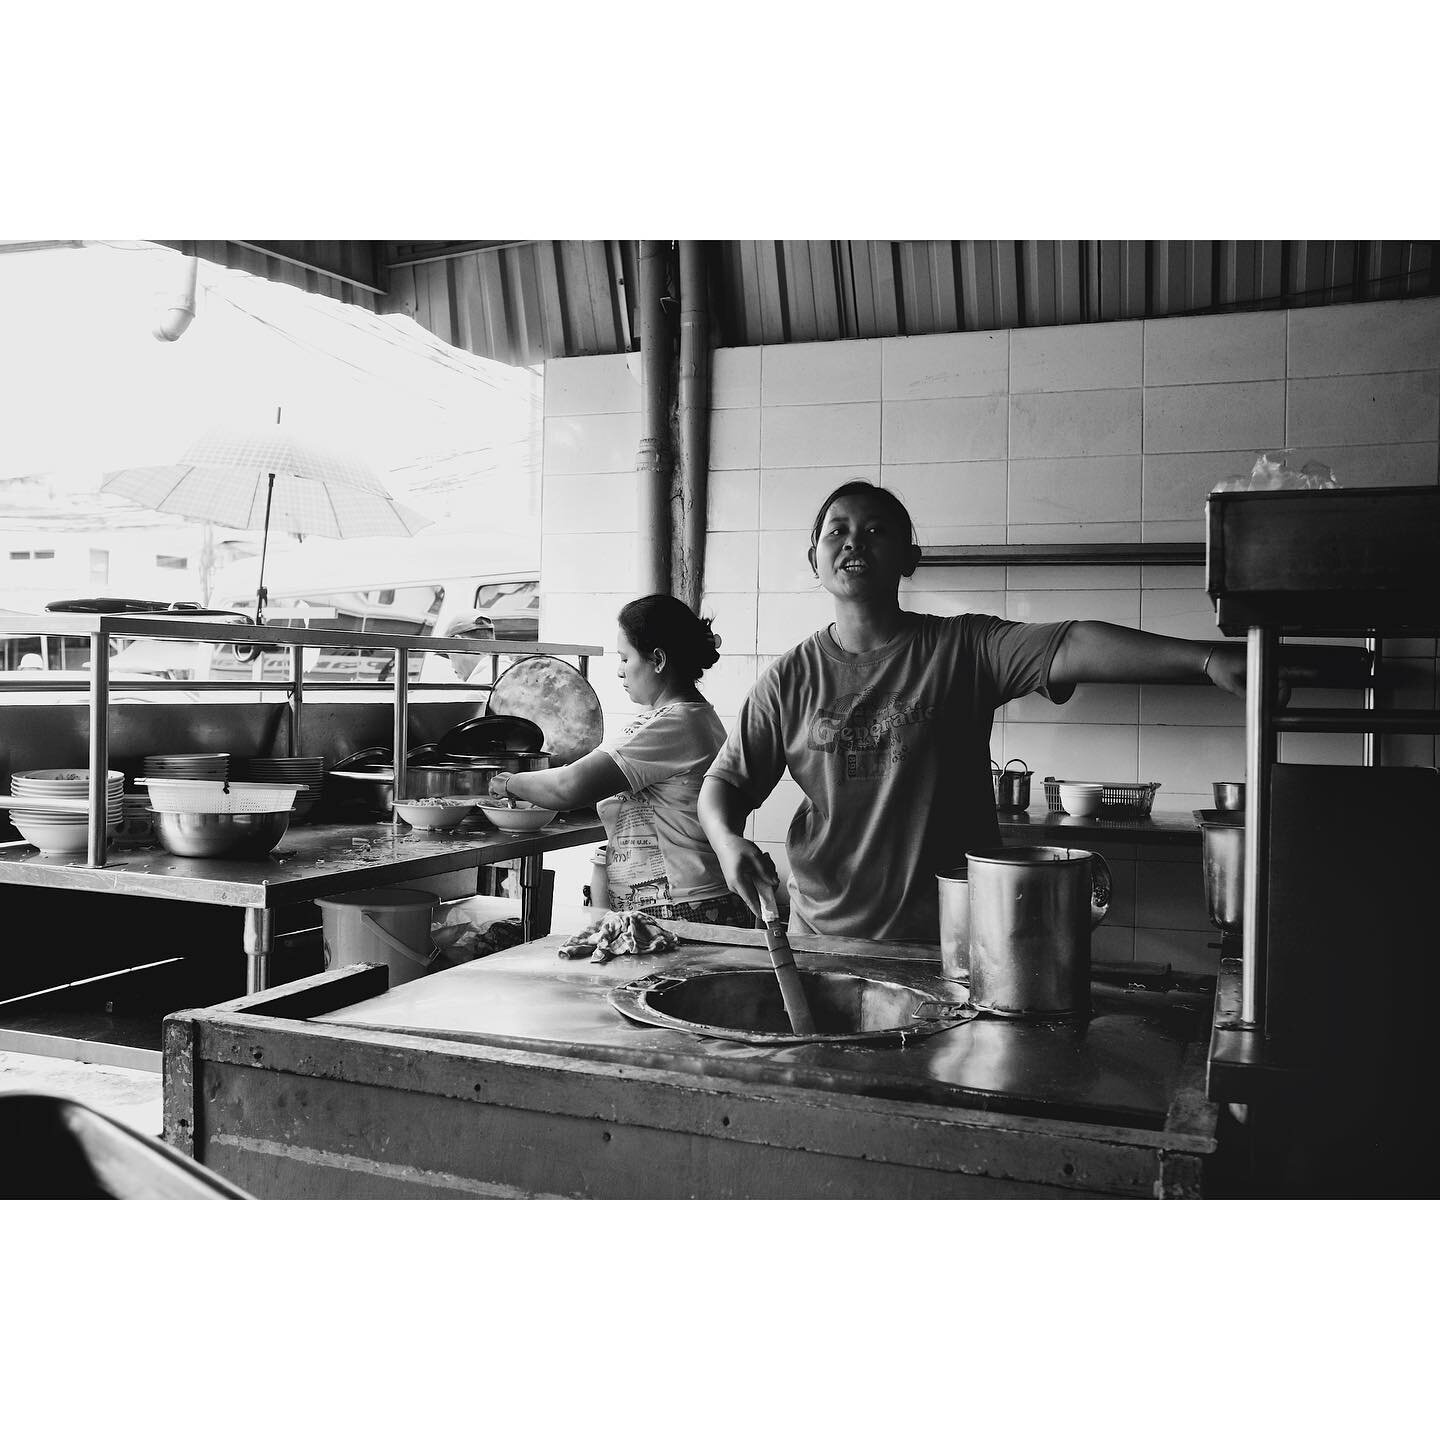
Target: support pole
690,489
654,460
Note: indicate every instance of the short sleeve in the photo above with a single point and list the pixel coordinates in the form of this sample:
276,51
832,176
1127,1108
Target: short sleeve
752,759
1017,656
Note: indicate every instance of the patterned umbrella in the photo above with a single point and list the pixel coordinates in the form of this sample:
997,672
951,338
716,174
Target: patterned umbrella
251,479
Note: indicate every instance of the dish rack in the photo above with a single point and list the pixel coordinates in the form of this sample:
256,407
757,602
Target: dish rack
1134,798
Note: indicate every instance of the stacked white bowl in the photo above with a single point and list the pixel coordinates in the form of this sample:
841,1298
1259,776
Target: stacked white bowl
1081,797
61,831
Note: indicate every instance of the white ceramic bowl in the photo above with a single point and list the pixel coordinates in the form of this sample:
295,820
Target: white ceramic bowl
1081,797
522,817
53,837
432,814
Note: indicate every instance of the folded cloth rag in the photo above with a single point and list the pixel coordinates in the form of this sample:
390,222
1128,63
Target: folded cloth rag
619,932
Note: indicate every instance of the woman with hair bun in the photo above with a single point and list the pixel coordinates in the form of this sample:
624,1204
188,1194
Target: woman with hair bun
646,781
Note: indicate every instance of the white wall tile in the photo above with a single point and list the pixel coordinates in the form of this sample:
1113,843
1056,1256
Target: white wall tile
1170,532
735,440
735,378
960,493
952,602
1187,614
1075,422
1074,488
782,562
790,496
833,372
1112,947
589,504
1073,577
1089,705
1364,409
785,620
1174,486
1121,914
1364,339
1205,349
732,499
1185,951
800,435
1119,607
1097,532
1189,758
1072,752
936,367
1214,417
918,432
931,536
928,579
583,618
592,385
577,563
1076,357
734,617
1190,705
726,683
1363,465
1184,802
591,444
732,560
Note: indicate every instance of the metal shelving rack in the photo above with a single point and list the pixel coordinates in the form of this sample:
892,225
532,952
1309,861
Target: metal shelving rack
101,629
1333,563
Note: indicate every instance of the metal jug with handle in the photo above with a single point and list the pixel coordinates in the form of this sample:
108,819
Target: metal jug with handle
1012,788
1032,909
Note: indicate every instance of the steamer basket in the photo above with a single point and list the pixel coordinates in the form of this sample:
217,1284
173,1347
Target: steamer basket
216,797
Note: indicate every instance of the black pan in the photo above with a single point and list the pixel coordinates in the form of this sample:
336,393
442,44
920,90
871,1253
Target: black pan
490,735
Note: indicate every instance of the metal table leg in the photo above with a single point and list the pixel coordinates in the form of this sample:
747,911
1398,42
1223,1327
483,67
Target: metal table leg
259,938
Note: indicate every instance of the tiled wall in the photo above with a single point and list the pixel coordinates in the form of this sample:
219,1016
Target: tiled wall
1109,432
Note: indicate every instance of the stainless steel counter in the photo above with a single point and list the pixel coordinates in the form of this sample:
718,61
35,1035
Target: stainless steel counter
310,861
1039,825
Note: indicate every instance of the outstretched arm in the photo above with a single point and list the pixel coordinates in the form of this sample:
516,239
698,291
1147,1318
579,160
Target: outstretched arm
723,810
591,778
1097,650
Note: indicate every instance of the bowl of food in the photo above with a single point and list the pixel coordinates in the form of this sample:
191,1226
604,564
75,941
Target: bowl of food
522,817
1081,797
233,835
433,812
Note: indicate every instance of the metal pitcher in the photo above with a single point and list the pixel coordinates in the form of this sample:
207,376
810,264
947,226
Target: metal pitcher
1012,787
1032,908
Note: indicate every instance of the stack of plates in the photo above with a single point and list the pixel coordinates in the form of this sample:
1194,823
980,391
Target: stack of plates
306,770
137,825
61,832
186,767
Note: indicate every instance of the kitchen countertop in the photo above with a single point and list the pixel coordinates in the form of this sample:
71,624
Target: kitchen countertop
1040,825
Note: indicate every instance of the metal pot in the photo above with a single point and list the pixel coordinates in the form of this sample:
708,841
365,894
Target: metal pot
1032,908
471,778
1222,834
1229,794
364,793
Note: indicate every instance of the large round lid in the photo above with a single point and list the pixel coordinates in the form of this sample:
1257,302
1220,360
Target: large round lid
558,698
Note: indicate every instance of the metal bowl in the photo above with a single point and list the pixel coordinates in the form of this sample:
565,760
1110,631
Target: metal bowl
239,835
1229,794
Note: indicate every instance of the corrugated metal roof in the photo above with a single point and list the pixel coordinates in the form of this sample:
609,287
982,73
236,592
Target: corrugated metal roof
527,301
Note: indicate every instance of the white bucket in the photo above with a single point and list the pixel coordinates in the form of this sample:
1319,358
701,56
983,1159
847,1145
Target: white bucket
388,927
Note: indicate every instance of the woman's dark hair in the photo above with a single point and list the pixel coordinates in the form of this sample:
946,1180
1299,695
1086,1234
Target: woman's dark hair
859,487
661,622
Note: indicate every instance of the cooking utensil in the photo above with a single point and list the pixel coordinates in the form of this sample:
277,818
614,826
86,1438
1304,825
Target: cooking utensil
490,734
1032,908
240,835
557,698
1222,835
1012,788
1229,794
792,990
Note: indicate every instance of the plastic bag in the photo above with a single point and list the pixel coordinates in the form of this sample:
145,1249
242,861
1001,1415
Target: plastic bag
466,932
1273,471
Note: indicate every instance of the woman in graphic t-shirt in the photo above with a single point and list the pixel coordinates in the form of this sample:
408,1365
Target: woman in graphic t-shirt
883,719
645,781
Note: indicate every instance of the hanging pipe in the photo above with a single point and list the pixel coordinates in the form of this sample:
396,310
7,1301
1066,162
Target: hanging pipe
688,496
654,460
179,308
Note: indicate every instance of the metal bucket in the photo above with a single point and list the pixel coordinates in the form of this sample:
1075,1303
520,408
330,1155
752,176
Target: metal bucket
1032,908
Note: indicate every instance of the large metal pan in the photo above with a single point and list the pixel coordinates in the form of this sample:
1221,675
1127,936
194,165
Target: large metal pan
558,698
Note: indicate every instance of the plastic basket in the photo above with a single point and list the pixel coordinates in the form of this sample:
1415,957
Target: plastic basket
218,797
1134,798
